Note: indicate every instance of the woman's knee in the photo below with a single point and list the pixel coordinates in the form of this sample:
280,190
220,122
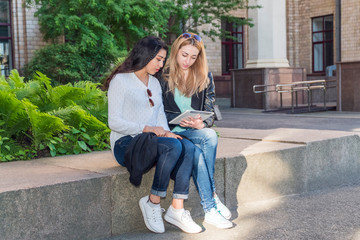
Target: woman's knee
170,146
210,135
188,151
188,146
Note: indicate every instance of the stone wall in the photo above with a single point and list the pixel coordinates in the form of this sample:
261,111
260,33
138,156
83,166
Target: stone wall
213,48
299,14
350,30
348,86
213,51
293,32
26,34
244,80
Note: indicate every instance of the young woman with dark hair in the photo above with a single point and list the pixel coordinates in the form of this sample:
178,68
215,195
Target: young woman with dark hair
139,131
187,85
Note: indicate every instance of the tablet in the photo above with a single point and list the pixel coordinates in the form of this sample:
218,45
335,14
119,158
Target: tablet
193,113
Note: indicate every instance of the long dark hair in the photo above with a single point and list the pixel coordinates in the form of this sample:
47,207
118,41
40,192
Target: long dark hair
143,52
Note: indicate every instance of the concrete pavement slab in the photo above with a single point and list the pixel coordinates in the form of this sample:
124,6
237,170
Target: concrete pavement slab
320,215
286,135
97,162
255,119
32,174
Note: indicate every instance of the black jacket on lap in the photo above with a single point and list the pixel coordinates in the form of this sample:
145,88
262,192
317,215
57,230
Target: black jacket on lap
140,156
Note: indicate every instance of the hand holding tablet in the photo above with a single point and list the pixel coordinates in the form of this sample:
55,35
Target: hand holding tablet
191,113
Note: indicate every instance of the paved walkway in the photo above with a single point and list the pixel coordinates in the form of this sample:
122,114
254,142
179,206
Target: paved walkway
329,214
256,119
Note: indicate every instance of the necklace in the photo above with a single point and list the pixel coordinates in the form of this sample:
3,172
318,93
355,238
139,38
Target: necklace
144,78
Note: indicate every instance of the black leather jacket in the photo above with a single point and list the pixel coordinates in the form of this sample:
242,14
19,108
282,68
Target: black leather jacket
203,101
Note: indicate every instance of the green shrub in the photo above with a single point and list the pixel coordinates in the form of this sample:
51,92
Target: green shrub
66,63
37,119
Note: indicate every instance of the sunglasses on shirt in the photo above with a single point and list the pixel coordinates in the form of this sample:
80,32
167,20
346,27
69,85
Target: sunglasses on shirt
189,35
149,96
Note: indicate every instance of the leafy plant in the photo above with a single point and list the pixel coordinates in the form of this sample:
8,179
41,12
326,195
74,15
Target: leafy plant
12,114
10,150
188,15
67,63
42,125
38,119
77,141
87,36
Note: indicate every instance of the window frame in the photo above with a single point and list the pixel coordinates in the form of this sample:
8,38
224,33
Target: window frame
323,42
10,38
231,44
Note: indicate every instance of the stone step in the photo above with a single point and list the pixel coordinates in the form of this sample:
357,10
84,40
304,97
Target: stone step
89,196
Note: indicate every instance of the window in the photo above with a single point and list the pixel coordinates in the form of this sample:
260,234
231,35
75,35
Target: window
232,49
5,38
322,43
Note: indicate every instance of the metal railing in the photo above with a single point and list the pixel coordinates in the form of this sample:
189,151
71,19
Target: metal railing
294,88
307,86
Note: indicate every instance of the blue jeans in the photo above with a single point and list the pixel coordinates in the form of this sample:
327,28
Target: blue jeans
206,142
174,159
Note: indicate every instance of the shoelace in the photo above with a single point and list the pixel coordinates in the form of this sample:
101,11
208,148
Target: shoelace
186,216
157,214
214,212
221,208
218,204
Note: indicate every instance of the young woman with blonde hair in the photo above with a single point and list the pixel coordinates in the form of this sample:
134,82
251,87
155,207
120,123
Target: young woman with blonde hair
187,85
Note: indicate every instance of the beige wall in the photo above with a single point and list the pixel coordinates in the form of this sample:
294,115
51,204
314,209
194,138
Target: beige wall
350,30
213,51
299,17
26,34
213,48
293,32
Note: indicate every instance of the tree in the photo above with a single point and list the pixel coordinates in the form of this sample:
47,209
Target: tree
91,33
97,29
188,15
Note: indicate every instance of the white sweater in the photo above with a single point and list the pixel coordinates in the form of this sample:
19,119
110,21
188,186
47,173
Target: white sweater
129,109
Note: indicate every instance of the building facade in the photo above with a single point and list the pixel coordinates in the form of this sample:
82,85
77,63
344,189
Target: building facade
302,19
318,37
321,36
19,35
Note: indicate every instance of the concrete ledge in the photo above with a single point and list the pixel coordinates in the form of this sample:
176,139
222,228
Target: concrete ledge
289,161
89,196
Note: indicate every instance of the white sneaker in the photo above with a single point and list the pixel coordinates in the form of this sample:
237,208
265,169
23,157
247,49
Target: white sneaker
222,209
152,215
213,217
182,220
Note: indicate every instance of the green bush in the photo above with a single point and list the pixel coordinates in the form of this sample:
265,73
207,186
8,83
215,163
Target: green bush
66,63
37,119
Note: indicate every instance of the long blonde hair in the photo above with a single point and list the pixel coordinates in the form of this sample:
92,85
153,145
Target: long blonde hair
197,79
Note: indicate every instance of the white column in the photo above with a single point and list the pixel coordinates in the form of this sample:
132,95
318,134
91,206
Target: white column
267,39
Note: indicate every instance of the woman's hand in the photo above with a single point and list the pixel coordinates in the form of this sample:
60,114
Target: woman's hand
191,122
159,131
172,135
